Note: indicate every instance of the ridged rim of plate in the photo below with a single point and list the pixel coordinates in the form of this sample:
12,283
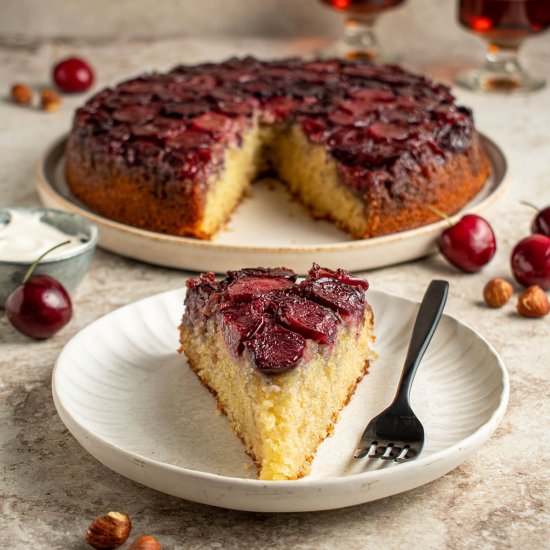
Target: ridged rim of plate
53,153
472,441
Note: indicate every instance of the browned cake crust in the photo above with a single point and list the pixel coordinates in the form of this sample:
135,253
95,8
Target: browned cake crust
131,196
146,153
448,187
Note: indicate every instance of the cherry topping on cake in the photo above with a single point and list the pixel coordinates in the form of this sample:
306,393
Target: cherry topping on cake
375,95
348,137
240,322
187,109
190,139
212,123
135,113
308,318
317,272
357,107
249,287
343,118
188,162
277,272
204,291
202,82
279,107
315,129
369,116
135,86
388,132
238,108
264,311
275,349
346,300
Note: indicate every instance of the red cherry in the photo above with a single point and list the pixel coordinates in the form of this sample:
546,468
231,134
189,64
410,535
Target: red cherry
40,307
541,222
531,261
469,244
73,75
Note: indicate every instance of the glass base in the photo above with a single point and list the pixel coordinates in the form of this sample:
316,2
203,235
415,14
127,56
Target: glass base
358,42
344,50
483,80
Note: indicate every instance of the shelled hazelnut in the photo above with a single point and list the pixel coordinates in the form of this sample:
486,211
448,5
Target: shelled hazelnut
109,531
50,100
21,94
145,542
497,292
533,302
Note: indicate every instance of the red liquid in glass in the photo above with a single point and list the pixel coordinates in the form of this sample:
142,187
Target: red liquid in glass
505,22
365,7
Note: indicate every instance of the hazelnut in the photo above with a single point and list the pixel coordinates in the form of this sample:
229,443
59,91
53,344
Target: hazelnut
533,302
497,292
145,542
50,100
109,531
21,94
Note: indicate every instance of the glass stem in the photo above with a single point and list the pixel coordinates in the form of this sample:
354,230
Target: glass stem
359,36
503,62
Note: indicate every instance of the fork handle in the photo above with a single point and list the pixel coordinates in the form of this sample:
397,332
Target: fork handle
426,322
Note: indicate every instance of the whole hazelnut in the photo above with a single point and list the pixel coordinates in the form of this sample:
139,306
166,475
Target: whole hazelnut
497,292
109,531
145,542
50,100
21,94
533,302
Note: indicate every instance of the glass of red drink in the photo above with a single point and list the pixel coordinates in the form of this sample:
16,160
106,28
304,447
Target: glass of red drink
358,40
504,25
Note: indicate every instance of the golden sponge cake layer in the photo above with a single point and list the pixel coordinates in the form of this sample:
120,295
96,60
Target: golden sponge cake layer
281,418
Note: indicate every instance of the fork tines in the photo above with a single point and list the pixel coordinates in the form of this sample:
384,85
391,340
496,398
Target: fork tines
388,451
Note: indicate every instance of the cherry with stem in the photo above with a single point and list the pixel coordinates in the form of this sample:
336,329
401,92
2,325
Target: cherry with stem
40,305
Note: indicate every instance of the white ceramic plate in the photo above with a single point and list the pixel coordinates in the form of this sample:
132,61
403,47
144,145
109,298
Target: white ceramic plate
131,401
269,229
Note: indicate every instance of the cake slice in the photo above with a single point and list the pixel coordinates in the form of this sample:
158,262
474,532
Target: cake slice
282,358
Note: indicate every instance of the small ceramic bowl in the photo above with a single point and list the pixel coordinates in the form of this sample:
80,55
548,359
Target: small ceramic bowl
68,266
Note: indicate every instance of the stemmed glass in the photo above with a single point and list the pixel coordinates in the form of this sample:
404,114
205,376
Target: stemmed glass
358,41
504,24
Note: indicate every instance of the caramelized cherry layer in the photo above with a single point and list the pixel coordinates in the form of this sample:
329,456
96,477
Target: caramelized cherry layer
265,313
380,120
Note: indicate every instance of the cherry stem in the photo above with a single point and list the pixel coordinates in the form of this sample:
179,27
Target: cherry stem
440,214
525,203
37,261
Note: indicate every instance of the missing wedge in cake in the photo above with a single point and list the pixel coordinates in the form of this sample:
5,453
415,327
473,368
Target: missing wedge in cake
281,357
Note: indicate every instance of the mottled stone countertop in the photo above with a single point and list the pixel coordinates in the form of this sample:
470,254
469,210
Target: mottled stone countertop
50,488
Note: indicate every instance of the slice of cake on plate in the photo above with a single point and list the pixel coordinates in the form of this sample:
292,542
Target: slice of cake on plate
281,357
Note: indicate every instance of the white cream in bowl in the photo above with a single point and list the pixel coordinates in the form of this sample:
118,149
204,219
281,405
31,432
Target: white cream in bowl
24,237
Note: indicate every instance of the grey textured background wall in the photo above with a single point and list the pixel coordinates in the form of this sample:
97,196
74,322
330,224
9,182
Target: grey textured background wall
169,18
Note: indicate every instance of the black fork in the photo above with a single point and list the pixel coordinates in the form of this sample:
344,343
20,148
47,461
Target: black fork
396,433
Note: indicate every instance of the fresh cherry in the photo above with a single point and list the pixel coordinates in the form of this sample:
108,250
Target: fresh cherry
40,306
541,222
73,75
469,244
531,261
